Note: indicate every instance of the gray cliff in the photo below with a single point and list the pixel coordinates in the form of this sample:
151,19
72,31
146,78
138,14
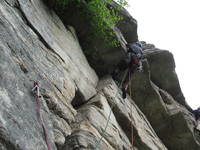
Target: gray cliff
81,106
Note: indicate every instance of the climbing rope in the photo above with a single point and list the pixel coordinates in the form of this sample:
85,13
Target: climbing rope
109,116
36,91
130,89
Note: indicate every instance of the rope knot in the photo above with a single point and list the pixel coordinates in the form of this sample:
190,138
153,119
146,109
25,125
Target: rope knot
35,89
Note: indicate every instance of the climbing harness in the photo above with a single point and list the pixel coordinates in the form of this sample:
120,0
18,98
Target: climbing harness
109,116
36,92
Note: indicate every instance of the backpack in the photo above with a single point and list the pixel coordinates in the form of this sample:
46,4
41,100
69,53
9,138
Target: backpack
136,49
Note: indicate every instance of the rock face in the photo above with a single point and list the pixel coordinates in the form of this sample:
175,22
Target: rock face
115,133
164,76
79,110
35,45
169,116
97,50
128,25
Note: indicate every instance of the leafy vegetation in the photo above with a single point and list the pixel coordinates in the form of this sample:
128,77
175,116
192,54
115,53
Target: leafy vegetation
102,18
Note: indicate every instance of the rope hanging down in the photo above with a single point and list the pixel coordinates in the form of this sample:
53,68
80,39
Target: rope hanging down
130,91
36,91
109,116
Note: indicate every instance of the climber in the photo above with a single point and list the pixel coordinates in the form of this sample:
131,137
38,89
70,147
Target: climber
132,62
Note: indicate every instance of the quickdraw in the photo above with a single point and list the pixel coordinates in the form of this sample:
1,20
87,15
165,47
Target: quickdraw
36,91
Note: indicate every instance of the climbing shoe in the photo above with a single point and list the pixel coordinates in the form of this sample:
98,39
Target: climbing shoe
123,93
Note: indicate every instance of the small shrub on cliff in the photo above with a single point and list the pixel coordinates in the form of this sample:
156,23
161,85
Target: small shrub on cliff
102,18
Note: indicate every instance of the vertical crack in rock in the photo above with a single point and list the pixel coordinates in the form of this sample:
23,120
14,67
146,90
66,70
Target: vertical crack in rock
37,32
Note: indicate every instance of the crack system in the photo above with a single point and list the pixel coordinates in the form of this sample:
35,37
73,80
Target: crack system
36,31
